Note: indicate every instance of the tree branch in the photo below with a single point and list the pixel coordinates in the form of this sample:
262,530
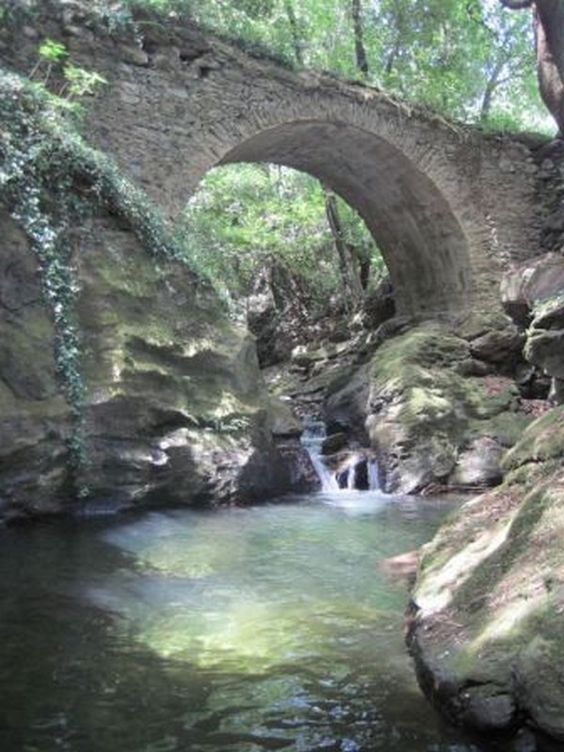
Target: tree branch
517,4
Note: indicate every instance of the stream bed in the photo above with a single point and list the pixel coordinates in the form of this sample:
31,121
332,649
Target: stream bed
266,628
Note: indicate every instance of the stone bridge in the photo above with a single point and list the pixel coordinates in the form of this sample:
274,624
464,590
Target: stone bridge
449,206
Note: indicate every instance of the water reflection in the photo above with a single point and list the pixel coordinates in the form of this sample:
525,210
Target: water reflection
255,629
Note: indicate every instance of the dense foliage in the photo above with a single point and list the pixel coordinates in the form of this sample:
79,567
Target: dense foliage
245,218
470,59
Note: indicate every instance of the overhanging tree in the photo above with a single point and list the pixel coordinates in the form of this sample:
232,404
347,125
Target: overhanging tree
548,24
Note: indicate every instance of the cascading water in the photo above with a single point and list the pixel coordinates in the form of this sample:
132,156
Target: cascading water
349,476
312,439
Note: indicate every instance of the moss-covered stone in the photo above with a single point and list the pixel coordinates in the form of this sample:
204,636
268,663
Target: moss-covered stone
423,411
124,358
490,596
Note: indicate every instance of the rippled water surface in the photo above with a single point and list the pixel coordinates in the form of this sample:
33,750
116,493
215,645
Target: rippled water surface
249,629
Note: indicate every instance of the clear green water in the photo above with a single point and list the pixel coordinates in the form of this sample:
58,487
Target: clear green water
248,629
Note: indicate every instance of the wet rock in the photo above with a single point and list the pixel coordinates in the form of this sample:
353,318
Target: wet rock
334,443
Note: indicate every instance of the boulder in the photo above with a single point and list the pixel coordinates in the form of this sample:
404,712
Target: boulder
346,398
333,443
498,346
423,414
536,280
545,339
534,295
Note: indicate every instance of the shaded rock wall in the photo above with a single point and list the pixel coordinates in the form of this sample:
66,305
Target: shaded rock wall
34,417
175,408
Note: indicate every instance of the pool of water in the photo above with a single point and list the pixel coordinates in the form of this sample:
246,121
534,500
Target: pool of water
267,628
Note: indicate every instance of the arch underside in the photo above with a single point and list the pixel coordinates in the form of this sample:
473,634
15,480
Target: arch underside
422,242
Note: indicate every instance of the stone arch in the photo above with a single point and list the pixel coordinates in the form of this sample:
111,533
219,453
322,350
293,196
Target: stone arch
451,207
423,244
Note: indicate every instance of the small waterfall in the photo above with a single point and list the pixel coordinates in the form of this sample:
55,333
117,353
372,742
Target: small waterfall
312,439
373,476
358,472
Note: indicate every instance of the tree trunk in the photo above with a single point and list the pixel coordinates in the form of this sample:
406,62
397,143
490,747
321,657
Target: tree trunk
295,31
548,19
549,35
352,286
491,86
360,50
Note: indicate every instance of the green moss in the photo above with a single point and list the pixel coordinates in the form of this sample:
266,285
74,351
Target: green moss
418,372
543,440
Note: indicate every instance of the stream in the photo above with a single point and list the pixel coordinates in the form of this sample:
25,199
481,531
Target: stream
264,628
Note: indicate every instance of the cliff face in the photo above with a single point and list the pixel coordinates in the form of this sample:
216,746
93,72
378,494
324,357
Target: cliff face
34,416
121,378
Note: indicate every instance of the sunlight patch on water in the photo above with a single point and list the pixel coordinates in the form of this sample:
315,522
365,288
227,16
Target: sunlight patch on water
243,630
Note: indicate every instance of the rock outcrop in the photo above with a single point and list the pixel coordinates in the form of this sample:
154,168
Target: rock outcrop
437,406
122,379
487,624
533,294
176,410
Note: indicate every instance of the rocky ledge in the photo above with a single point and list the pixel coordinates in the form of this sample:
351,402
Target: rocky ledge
487,622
